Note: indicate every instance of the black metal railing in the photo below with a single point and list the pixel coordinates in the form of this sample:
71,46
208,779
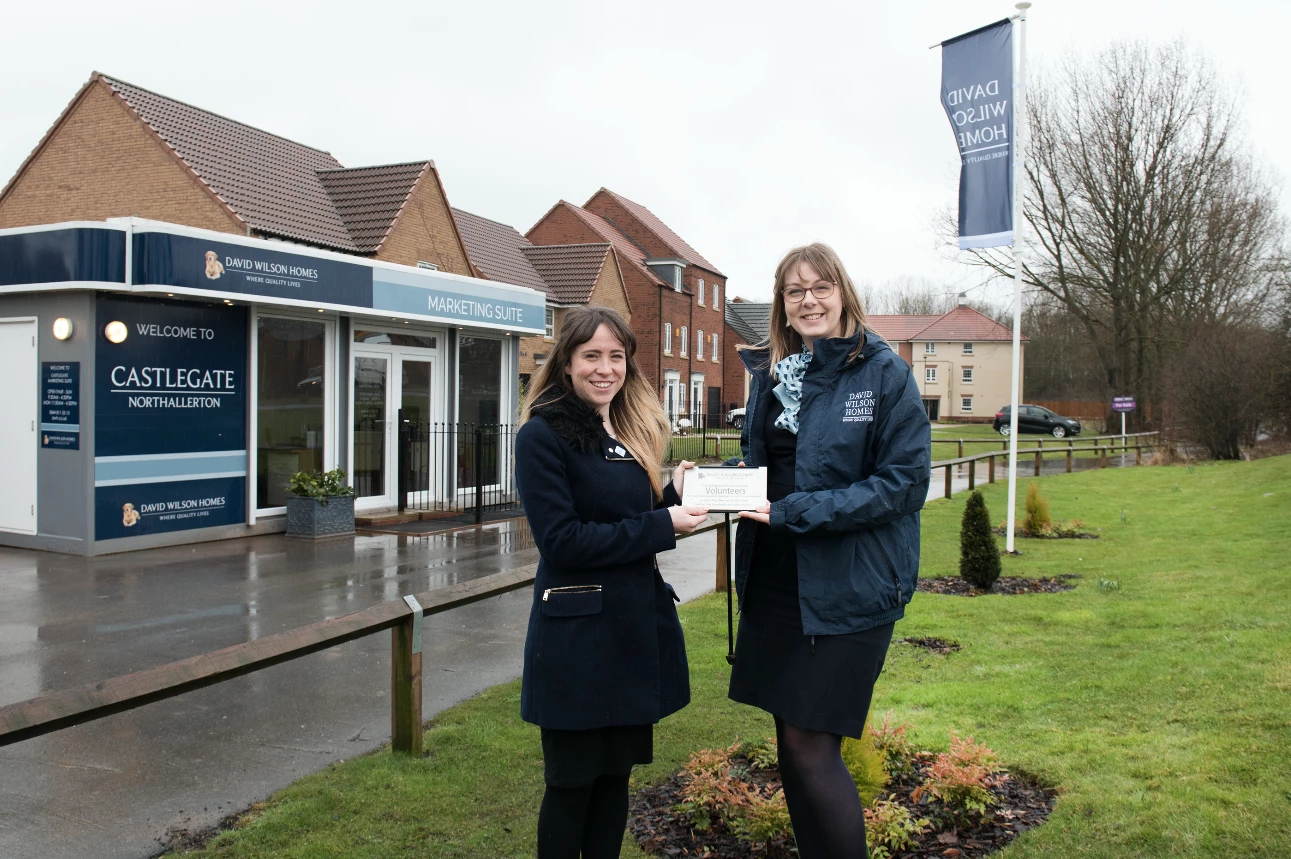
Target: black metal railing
703,436
456,467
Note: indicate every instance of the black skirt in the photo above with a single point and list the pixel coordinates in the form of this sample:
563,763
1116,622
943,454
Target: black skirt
577,758
820,683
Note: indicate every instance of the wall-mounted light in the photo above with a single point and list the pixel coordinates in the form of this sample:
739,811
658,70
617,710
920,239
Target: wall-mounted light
63,328
115,332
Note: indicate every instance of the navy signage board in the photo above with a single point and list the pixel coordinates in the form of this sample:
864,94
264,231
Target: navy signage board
60,405
170,417
167,259
62,256
1123,404
977,94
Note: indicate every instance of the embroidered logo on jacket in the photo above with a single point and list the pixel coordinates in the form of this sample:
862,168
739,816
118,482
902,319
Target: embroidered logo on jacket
859,406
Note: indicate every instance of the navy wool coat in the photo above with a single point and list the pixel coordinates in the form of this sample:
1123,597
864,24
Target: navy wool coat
604,645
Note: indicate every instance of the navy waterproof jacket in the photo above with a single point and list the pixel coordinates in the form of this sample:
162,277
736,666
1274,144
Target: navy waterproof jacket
604,645
861,476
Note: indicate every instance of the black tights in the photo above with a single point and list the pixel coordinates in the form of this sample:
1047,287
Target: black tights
590,819
823,803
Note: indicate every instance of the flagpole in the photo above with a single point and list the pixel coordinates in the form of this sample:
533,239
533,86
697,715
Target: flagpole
1019,176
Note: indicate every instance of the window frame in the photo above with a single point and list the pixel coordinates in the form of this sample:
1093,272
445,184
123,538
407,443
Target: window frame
717,298
966,404
699,344
549,320
930,375
929,347
716,349
965,375
699,292
967,349
685,334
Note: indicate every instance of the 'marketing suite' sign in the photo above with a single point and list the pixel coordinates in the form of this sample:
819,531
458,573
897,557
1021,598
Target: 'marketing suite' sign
170,417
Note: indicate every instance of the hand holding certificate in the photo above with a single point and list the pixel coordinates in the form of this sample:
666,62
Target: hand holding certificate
725,489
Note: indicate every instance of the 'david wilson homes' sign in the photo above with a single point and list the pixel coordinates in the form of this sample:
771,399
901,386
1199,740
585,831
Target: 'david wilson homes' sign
170,417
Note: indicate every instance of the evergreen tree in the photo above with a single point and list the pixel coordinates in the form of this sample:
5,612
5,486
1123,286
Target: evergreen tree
979,559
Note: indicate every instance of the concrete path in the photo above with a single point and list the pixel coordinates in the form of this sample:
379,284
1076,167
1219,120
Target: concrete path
126,785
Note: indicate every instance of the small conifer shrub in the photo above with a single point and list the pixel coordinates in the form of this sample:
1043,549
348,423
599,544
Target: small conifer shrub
866,762
979,559
1037,520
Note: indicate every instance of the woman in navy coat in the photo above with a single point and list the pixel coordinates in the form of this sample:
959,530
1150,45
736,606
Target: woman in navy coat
604,657
826,568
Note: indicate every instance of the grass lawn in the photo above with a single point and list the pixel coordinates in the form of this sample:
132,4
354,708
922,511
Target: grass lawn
1161,709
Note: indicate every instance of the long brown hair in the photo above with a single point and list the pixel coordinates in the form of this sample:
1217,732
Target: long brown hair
635,411
782,339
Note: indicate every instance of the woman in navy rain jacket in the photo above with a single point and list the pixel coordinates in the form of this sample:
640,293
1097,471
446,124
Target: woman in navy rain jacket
825,569
604,658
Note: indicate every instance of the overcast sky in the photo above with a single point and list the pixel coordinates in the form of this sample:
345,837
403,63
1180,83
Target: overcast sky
748,127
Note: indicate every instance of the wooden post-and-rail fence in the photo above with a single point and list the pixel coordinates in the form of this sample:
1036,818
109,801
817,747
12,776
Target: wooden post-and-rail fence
26,720
1112,443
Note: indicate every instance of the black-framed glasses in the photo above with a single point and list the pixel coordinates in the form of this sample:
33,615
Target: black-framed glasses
795,294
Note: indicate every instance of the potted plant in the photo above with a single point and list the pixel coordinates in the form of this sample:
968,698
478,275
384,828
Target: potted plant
320,504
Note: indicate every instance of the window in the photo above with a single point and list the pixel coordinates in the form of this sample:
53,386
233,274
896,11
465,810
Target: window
684,334
716,299
291,385
716,350
967,375
930,375
965,404
551,323
930,348
667,338
699,345
700,292
968,348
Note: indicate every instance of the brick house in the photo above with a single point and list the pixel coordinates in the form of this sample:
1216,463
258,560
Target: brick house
676,297
962,360
119,150
569,275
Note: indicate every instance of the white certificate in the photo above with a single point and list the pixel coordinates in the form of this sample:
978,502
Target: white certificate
724,489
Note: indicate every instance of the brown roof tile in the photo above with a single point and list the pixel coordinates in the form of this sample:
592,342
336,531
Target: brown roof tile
627,249
497,251
965,324
369,199
898,327
679,245
570,271
271,182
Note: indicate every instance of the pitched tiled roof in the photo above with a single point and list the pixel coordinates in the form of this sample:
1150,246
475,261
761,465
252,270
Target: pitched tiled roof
497,250
570,271
755,315
966,324
897,327
659,228
369,199
627,250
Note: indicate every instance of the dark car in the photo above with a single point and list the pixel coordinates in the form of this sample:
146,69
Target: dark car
1037,419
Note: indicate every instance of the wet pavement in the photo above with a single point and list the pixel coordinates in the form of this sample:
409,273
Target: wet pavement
122,786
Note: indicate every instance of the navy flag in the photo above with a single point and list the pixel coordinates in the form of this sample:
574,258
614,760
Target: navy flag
977,93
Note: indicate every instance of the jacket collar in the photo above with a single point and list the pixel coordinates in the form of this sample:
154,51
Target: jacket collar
572,419
830,352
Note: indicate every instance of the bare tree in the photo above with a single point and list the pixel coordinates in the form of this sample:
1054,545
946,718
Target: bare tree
1148,213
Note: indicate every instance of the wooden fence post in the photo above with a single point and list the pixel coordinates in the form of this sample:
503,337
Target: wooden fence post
949,477
723,570
972,475
405,681
1069,457
961,448
1037,461
990,478
1138,454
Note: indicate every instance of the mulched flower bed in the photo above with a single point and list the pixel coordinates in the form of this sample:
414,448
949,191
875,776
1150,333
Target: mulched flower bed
1059,534
1021,804
1004,585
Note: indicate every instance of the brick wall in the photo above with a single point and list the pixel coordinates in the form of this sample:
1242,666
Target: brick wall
560,226
102,162
425,231
611,210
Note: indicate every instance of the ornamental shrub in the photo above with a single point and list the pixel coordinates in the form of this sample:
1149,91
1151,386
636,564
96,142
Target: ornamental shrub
866,762
889,827
1037,520
979,559
961,778
897,746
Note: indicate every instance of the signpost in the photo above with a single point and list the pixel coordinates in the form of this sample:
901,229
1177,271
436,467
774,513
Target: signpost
1123,405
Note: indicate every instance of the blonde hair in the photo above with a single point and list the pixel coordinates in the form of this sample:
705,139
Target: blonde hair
638,417
782,340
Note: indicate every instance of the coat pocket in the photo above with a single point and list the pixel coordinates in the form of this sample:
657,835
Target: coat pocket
571,601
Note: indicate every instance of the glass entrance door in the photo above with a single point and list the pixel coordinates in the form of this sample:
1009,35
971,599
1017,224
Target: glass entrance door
372,441
413,457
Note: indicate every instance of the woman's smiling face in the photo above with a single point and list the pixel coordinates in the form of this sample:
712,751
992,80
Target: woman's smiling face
812,317
598,369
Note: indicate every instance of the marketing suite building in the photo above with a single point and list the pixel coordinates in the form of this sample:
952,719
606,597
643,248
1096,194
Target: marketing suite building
163,382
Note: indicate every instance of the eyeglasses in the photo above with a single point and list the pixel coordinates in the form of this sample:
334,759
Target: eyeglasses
795,294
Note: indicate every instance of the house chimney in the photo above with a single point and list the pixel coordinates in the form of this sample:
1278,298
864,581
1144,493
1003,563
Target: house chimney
963,299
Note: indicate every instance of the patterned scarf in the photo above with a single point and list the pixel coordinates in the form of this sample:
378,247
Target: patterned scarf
790,371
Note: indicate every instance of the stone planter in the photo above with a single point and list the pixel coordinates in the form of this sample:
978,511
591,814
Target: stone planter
310,517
